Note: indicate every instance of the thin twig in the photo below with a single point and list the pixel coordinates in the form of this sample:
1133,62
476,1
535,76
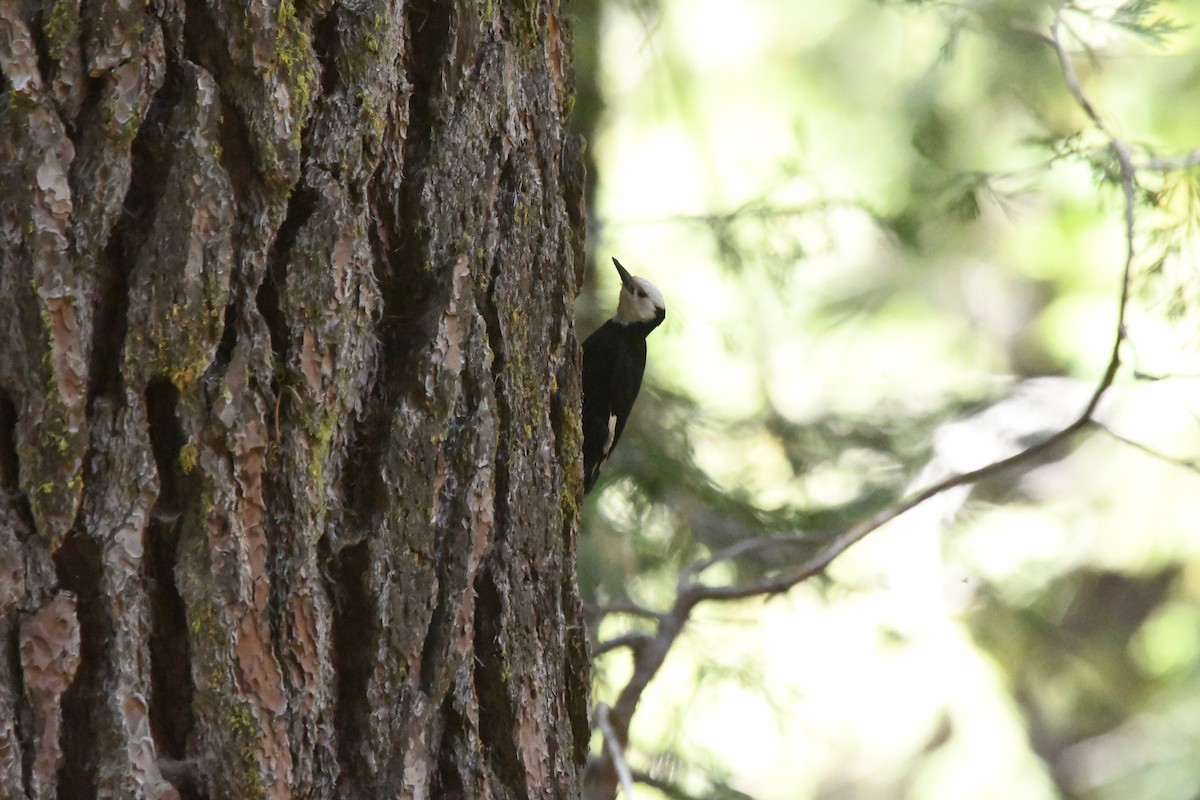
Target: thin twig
1166,376
616,750
676,793
634,640
624,607
751,210
1159,164
1187,463
746,547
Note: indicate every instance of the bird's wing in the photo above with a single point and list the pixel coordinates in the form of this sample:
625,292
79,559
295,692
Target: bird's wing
613,363
599,361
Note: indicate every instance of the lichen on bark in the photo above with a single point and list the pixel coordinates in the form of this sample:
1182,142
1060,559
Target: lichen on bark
289,401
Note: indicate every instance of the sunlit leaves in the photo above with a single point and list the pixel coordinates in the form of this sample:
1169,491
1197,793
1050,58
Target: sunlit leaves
1143,18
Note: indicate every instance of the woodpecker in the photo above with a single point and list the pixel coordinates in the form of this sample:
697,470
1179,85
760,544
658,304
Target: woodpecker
614,357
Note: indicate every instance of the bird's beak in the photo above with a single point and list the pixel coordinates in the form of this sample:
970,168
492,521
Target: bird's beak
626,278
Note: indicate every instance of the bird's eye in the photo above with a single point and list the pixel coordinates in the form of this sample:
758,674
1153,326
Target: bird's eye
641,293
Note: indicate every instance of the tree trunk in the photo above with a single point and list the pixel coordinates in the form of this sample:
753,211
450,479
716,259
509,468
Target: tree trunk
288,401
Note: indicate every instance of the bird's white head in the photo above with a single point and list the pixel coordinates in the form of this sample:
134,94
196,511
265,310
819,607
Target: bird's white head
640,300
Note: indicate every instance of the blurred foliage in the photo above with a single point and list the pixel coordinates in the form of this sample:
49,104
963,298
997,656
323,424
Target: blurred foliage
873,221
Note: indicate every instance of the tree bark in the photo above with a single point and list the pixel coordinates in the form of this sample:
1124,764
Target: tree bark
289,435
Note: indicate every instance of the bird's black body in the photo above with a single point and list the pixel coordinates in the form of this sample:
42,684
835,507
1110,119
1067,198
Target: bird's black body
614,358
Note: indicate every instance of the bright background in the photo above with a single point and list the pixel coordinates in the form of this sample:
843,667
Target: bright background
889,251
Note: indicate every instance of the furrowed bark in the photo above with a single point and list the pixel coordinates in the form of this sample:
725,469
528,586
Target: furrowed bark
288,401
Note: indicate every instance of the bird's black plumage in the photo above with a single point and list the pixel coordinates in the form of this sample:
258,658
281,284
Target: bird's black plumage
614,359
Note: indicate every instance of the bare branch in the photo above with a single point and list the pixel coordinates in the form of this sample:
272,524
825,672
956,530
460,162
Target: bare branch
615,749
1187,463
1162,164
746,547
1167,376
755,209
634,640
600,779
624,607
673,791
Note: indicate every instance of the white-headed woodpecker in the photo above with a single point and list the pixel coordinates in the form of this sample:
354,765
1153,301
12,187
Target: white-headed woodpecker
614,358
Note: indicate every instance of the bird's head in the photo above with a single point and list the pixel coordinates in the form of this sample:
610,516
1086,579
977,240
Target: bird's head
640,301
